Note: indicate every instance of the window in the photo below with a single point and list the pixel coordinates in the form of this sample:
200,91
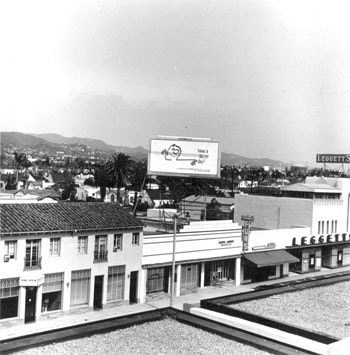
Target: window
10,249
335,226
33,258
55,245
319,227
116,281
118,242
135,238
327,227
100,252
9,289
82,245
52,292
80,286
322,231
332,231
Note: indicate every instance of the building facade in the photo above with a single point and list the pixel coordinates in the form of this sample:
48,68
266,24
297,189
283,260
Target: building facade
57,257
321,204
206,253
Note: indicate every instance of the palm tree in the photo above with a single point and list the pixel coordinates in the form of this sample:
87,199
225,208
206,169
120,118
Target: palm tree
119,171
102,179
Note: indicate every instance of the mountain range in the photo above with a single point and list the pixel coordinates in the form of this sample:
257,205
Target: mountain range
51,143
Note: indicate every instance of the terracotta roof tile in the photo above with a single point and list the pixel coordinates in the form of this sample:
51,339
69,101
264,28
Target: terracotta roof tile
64,216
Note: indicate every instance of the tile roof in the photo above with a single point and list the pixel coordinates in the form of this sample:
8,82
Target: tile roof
64,216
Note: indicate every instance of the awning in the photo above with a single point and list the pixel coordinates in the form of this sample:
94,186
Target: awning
268,258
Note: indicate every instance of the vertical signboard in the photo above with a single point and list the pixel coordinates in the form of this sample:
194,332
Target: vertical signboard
246,231
185,157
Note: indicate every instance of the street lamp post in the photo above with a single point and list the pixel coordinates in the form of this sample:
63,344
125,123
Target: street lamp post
172,294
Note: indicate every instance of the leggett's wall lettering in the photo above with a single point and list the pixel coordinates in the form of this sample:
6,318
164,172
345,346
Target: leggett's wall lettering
321,239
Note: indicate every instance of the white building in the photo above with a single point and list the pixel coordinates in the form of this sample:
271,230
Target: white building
56,257
321,204
206,253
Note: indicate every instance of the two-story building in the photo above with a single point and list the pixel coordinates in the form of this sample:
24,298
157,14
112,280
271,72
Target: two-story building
57,257
321,204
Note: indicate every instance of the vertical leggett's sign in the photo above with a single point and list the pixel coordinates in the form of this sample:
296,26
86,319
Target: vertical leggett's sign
186,157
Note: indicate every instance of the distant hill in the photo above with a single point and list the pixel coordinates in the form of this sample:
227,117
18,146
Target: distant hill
137,152
50,143
89,142
235,159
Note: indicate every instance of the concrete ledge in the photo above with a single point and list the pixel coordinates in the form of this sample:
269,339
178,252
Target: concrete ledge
263,331
341,347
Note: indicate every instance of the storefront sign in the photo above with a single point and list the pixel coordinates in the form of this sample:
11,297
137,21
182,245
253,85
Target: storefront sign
31,280
226,243
267,246
332,158
322,239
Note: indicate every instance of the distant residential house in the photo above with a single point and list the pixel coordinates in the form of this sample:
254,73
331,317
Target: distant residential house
35,185
92,191
56,178
28,196
80,178
81,193
246,184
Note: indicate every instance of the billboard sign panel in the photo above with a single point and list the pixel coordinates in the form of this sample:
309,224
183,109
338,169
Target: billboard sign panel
332,158
185,157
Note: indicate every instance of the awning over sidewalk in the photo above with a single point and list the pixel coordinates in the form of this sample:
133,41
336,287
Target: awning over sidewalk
268,258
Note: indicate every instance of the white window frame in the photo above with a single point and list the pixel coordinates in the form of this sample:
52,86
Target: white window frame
11,252
118,242
136,238
82,244
55,247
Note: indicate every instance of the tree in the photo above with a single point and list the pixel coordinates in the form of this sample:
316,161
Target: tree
69,190
21,161
119,171
102,179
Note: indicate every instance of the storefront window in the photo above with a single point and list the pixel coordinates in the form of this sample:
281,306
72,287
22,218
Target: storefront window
9,289
115,286
155,280
80,287
52,292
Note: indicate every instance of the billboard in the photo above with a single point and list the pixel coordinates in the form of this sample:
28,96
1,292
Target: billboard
185,157
332,158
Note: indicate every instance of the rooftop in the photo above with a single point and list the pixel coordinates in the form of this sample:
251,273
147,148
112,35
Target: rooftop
64,217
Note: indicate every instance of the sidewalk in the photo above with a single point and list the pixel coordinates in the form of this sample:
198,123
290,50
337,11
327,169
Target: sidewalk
59,320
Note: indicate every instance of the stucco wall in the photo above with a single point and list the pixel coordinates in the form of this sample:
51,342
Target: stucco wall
274,212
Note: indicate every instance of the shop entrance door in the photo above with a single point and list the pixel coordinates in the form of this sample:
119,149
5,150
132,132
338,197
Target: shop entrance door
98,292
133,287
312,262
29,315
340,258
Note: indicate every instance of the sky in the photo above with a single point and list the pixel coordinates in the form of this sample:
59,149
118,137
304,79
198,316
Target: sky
267,78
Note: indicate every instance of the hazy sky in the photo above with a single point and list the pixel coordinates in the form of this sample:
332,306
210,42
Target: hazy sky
266,78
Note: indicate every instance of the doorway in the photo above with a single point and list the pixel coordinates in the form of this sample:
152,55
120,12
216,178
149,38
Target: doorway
29,315
133,287
98,292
